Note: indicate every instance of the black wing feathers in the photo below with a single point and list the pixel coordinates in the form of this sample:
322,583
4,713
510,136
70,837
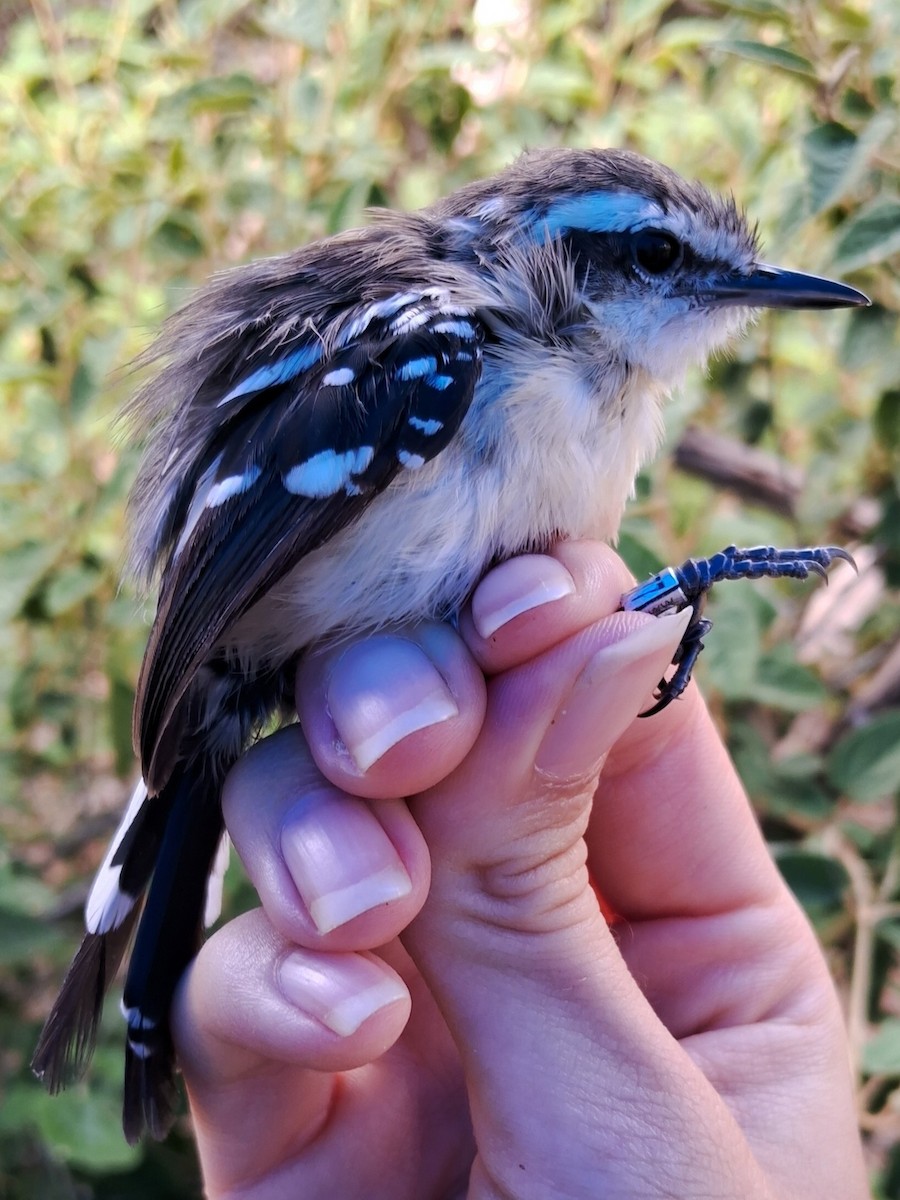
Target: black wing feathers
306,439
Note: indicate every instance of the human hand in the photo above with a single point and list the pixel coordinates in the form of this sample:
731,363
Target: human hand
430,1003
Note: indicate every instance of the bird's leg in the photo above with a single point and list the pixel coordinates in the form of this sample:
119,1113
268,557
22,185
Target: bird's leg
676,588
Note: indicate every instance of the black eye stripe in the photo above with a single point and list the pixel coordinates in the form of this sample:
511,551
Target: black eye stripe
613,258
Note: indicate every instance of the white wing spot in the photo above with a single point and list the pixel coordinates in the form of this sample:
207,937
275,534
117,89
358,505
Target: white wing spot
234,485
461,328
327,472
338,378
411,461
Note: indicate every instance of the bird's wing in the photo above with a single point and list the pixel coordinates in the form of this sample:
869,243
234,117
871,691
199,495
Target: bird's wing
307,436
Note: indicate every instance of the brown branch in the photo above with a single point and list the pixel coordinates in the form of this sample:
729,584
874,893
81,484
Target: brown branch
761,478
752,474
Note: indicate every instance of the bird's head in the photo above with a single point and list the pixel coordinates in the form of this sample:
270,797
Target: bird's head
666,272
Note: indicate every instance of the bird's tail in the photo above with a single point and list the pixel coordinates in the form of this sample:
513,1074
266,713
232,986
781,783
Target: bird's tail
160,874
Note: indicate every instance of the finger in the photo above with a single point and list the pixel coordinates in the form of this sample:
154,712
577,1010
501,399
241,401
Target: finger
531,603
260,1025
333,871
672,830
721,948
705,920
511,939
391,715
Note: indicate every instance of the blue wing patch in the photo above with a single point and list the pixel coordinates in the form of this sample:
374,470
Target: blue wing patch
282,370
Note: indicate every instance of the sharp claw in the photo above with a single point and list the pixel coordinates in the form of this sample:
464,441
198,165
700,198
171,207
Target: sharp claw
663,702
837,552
833,553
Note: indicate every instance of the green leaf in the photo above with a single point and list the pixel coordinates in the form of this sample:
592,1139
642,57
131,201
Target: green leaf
889,932
870,336
69,587
795,789
21,937
784,683
769,9
82,1126
640,558
881,1054
220,94
21,892
865,764
303,21
772,56
751,756
789,788
819,883
886,420
837,159
871,237
179,234
828,150
635,11
733,649
23,569
689,31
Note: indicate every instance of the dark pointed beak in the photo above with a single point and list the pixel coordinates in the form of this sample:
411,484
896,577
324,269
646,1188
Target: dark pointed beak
771,287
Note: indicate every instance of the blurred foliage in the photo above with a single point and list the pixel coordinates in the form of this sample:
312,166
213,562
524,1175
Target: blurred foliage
149,144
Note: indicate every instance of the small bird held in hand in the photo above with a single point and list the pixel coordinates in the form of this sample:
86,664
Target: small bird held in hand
343,439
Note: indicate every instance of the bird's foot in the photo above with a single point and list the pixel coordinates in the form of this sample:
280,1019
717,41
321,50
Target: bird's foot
687,586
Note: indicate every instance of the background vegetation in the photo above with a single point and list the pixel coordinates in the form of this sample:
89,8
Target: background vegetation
146,145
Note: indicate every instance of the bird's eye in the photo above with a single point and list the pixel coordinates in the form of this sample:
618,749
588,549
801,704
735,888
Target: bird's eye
656,252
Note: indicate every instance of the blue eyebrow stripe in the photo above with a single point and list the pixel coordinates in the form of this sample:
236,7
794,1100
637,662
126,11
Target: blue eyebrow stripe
597,212
276,372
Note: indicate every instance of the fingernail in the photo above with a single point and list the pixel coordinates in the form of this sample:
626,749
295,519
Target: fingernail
340,858
516,587
341,995
380,692
606,697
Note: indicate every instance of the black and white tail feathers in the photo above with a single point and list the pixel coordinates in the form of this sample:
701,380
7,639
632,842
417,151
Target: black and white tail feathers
167,939
169,847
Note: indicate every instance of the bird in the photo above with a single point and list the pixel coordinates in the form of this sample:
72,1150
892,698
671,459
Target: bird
343,439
